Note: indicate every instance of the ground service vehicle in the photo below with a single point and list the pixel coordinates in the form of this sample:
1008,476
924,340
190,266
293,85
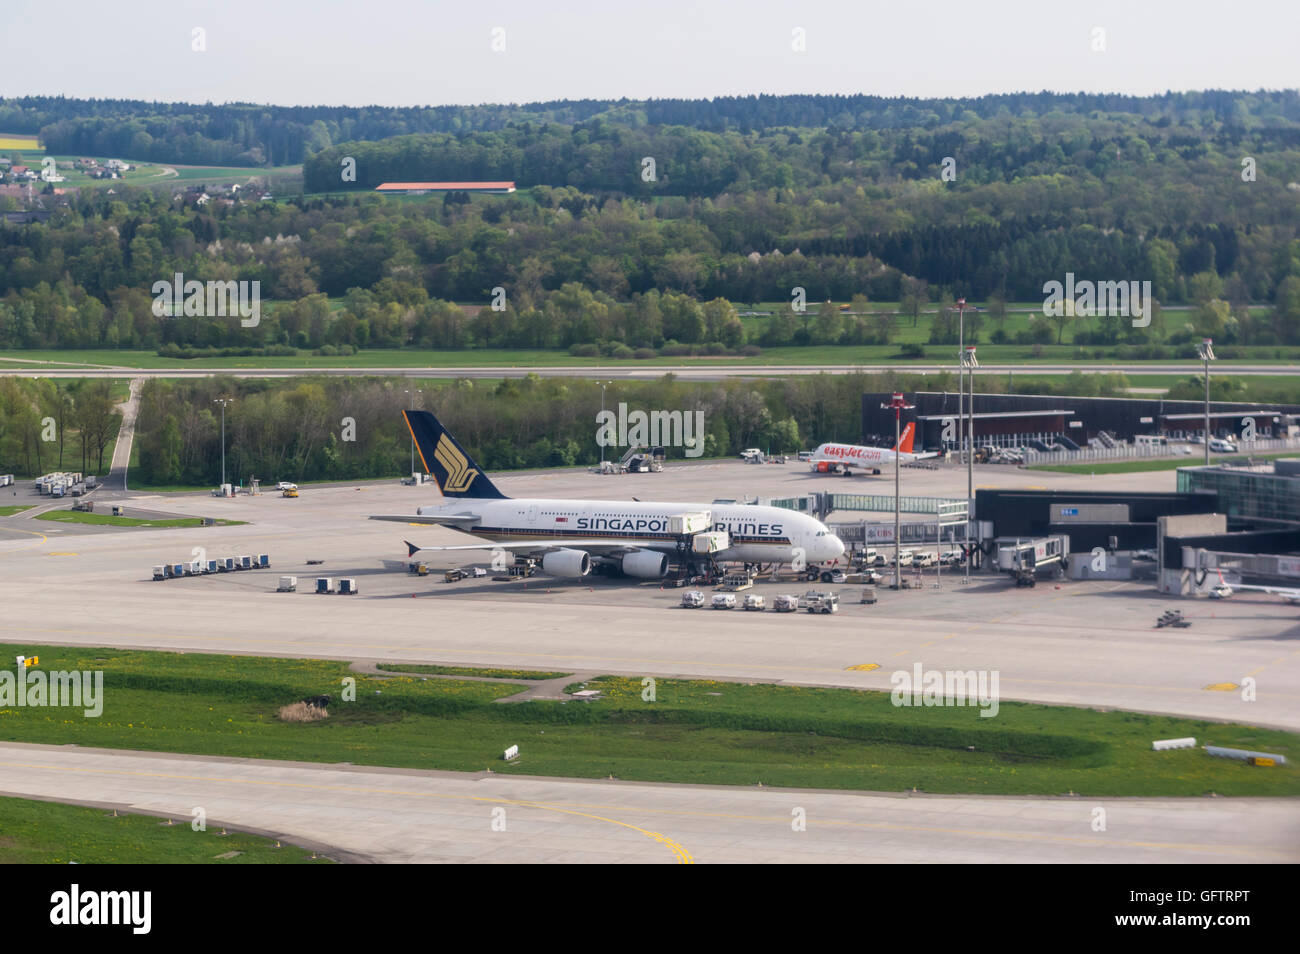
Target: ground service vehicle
451,576
724,601
786,604
692,599
822,602
754,602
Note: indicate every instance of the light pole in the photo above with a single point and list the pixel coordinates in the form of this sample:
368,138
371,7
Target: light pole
961,363
1206,351
969,362
223,402
603,385
899,405
412,407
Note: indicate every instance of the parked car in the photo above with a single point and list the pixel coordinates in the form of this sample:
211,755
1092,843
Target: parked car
475,571
750,453
786,604
1222,447
692,599
724,601
286,485
754,602
1220,591
805,455
952,558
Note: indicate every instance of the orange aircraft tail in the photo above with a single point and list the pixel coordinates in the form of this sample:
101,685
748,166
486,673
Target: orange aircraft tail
905,442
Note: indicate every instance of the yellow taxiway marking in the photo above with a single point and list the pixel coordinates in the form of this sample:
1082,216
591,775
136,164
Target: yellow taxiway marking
60,553
864,667
1221,687
683,856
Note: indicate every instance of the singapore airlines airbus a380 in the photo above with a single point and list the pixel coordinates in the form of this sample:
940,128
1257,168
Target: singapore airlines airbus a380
567,535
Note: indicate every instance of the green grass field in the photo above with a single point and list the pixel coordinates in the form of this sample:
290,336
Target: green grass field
697,731
10,511
823,355
107,519
38,832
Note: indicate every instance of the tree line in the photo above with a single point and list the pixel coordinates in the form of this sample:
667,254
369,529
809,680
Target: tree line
49,425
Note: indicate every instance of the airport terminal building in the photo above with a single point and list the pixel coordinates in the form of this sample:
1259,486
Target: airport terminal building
1006,420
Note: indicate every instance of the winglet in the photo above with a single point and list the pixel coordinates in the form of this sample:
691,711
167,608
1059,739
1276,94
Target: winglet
411,548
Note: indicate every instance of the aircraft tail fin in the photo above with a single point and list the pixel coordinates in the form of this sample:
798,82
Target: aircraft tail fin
454,470
905,442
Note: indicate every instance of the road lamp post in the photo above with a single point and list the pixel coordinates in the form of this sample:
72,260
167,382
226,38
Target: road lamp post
1206,352
899,405
223,402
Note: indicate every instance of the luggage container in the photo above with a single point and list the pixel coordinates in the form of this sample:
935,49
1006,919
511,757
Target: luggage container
178,569
244,563
117,510
211,566
324,584
194,568
159,572
288,584
263,561
226,564
92,482
348,586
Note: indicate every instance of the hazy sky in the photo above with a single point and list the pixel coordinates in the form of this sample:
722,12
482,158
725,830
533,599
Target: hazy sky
407,52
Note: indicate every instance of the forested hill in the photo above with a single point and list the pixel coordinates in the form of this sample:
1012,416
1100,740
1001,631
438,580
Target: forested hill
256,135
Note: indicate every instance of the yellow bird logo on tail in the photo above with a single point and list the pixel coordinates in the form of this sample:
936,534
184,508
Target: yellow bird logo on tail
459,473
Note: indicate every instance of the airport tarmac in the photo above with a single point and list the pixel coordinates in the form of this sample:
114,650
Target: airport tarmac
1077,643
404,816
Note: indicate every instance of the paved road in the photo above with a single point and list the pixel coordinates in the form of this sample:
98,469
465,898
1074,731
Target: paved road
116,479
711,372
395,815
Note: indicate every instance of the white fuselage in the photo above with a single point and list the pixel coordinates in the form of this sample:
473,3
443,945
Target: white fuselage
756,534
855,455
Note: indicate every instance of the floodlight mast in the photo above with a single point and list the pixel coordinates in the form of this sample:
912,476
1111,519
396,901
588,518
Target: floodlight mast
1206,352
899,404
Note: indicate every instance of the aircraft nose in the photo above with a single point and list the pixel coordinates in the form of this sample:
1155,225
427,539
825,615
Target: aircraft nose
836,547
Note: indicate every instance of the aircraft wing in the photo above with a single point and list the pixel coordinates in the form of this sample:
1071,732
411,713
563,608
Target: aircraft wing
444,519
1287,593
600,546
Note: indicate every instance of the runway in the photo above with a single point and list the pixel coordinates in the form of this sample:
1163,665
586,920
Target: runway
404,816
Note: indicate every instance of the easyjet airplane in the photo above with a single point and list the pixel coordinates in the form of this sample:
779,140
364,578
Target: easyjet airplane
567,535
830,457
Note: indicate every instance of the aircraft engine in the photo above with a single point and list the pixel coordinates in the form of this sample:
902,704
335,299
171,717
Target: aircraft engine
571,563
646,564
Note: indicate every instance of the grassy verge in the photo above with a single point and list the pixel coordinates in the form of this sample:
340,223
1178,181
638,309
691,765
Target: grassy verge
10,511
696,731
106,519
1135,466
813,355
37,832
473,671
